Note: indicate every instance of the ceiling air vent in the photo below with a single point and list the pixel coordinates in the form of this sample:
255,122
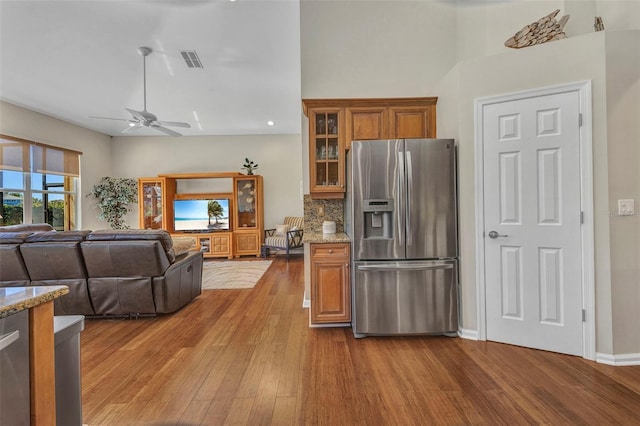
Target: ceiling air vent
191,58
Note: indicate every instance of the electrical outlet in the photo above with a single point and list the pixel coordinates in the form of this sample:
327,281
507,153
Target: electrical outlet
626,207
320,210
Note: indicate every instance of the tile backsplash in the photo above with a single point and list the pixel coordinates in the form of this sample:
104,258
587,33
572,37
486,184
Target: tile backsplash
333,210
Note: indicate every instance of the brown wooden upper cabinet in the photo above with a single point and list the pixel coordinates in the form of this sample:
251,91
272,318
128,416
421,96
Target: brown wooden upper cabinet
334,123
411,122
366,123
326,152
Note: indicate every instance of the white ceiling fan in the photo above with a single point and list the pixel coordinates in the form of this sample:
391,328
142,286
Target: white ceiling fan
144,117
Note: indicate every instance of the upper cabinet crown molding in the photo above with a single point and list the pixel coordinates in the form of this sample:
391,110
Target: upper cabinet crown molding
366,102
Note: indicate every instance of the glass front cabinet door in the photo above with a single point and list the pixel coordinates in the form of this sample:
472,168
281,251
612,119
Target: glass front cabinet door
248,215
246,202
326,152
153,193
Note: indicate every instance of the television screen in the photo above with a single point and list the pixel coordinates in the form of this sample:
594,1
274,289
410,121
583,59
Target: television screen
201,215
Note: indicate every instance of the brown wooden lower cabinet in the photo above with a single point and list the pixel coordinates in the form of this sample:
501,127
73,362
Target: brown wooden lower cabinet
246,243
330,283
215,244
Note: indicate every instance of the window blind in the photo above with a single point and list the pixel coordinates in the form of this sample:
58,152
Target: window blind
27,156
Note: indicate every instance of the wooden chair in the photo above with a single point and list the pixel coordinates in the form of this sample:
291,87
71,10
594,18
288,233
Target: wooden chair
286,236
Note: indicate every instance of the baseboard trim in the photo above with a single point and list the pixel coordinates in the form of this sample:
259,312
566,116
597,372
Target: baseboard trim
618,360
332,325
468,334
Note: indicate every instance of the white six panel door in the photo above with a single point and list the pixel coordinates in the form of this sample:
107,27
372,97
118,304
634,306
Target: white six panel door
532,201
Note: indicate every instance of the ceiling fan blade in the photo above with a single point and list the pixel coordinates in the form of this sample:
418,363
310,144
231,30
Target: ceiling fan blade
111,118
132,128
165,130
174,124
142,115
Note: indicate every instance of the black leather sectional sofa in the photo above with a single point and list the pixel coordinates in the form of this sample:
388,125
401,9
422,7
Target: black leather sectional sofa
109,273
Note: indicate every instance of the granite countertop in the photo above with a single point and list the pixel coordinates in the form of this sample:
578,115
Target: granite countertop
319,237
16,299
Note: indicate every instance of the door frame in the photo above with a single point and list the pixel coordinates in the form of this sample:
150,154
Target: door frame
586,196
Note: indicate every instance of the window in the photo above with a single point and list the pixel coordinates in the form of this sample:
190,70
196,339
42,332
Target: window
38,184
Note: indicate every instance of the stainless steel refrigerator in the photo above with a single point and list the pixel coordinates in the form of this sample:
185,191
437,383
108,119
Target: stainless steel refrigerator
401,216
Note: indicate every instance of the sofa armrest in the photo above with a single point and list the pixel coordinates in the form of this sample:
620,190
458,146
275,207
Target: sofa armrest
294,238
180,284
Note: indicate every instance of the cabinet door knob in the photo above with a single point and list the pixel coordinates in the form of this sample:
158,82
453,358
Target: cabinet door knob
330,251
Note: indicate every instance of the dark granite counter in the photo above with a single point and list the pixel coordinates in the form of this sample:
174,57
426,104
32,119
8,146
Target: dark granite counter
319,237
16,299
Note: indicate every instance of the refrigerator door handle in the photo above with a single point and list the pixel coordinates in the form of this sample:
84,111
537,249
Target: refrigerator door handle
401,171
7,339
388,268
409,197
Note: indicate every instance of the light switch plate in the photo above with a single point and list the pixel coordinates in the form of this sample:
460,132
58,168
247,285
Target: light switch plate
626,207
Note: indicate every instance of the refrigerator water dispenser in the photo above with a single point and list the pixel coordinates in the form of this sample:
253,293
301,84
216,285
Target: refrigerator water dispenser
378,218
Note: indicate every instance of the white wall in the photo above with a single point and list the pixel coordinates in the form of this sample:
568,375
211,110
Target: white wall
375,48
623,136
95,161
484,26
564,61
278,157
611,60
370,49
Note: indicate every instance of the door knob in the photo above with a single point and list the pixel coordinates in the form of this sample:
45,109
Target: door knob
494,235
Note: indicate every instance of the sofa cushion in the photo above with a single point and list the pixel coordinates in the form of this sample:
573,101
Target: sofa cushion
55,236
54,260
294,222
27,227
280,242
182,245
136,234
12,266
122,296
76,302
13,237
135,258
281,230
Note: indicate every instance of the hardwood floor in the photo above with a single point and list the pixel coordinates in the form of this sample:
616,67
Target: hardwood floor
249,357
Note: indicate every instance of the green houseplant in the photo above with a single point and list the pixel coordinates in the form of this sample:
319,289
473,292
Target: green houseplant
113,196
249,166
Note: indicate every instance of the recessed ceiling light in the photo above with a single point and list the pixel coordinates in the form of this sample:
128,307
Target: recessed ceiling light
270,123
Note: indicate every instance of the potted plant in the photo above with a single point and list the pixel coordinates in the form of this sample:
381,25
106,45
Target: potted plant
113,196
249,166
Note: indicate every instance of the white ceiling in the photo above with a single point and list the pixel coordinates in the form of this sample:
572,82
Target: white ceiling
75,59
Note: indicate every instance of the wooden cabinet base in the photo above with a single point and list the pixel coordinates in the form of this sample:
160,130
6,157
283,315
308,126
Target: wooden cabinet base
217,244
330,283
246,243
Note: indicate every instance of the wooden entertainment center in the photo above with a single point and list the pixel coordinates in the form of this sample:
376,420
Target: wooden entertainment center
245,213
